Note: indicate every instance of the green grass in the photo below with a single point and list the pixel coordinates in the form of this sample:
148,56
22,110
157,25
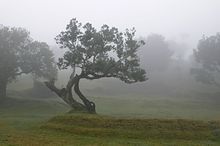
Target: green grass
120,122
100,126
158,107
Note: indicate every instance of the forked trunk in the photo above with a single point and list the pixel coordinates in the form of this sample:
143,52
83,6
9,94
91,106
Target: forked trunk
66,95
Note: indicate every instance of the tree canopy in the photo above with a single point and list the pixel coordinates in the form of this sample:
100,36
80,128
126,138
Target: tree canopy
19,54
157,54
207,55
103,53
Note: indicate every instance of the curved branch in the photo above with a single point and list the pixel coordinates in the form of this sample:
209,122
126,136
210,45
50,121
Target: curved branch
53,88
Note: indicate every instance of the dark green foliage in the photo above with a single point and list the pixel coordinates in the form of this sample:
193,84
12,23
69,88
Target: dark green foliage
207,55
101,53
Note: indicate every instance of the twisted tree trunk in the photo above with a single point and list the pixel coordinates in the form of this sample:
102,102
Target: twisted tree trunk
90,106
66,95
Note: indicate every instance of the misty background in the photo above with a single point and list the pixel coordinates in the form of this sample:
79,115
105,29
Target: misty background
171,30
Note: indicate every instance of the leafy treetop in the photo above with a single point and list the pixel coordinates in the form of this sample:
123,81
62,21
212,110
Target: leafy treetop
101,53
19,54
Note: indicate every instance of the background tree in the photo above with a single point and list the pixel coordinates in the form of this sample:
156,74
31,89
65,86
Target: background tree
19,54
156,54
96,54
207,55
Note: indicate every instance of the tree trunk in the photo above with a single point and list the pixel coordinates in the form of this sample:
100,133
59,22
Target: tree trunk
90,106
67,97
3,86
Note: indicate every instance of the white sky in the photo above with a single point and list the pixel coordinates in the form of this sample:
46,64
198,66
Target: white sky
175,19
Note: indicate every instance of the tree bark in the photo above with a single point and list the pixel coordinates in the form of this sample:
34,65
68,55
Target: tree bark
3,87
66,97
90,106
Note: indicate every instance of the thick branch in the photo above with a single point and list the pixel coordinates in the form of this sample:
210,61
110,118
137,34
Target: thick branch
65,95
71,81
53,88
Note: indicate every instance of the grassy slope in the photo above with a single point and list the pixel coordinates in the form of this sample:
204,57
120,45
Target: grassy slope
23,122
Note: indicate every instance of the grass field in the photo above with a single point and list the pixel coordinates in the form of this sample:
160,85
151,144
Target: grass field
121,122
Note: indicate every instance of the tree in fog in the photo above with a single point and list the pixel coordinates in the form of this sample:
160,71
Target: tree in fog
207,55
19,54
94,54
157,54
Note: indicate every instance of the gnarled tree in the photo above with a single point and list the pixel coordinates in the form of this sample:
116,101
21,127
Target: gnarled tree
96,54
19,54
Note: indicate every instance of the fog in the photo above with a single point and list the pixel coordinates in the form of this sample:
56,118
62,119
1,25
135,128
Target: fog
181,23
178,20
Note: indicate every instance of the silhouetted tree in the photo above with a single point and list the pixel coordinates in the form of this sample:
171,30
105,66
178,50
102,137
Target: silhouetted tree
96,54
19,54
207,55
